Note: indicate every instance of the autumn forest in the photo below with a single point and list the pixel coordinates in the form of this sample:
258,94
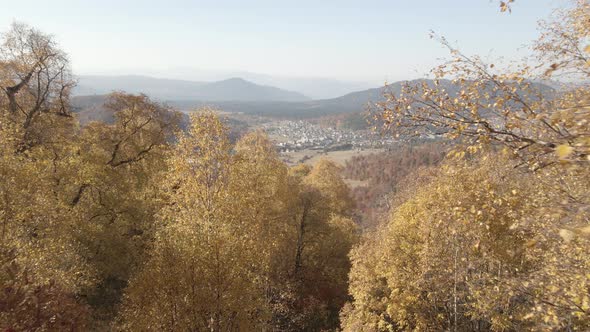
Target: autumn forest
479,220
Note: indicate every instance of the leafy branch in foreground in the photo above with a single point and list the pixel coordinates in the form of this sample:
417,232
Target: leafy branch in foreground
483,105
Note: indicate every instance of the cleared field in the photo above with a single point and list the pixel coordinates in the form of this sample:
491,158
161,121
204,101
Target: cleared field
311,157
356,183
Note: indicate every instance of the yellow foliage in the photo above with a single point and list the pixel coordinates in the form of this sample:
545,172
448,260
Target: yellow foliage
563,151
500,265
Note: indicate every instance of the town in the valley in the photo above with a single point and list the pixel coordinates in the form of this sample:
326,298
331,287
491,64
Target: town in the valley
302,141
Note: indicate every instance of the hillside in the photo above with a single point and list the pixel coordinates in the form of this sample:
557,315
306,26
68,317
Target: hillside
233,89
246,102
354,102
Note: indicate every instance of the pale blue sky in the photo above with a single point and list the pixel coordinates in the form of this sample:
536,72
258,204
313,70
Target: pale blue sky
371,40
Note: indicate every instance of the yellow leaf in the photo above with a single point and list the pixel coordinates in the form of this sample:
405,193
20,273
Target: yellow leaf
503,6
566,234
563,151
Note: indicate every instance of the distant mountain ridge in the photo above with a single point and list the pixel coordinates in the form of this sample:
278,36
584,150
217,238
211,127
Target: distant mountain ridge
355,102
233,89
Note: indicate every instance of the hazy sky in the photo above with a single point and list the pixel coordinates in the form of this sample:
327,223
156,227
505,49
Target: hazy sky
348,40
